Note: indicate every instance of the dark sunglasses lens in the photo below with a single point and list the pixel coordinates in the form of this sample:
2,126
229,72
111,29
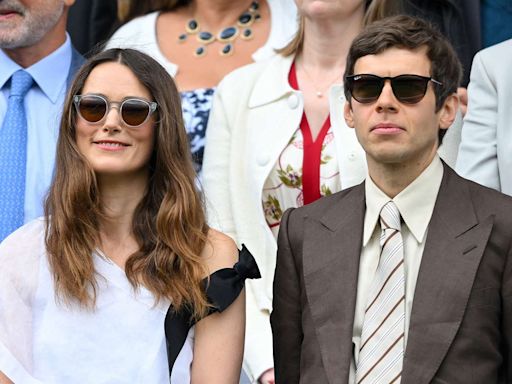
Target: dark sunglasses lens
366,89
134,112
92,108
409,89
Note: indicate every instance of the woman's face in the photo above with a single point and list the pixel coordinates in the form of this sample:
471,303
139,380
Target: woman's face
111,145
328,8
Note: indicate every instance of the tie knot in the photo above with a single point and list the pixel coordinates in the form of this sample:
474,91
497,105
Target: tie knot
390,216
21,81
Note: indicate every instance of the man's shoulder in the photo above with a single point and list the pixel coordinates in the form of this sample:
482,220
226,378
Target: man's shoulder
326,204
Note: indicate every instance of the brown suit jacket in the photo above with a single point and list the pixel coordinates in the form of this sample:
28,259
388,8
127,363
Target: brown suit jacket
461,321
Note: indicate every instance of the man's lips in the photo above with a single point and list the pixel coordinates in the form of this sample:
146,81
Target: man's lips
386,129
7,14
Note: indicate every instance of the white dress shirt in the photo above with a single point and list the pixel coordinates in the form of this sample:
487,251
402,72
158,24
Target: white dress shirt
416,204
43,106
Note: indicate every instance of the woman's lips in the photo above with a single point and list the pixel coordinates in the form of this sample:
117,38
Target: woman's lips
109,145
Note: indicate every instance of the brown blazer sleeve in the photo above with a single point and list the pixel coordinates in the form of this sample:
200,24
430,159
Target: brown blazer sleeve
286,314
506,321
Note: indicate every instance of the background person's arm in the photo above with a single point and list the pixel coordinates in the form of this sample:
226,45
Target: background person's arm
477,159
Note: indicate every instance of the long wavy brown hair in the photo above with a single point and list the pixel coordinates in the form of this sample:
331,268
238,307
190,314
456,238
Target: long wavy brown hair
169,222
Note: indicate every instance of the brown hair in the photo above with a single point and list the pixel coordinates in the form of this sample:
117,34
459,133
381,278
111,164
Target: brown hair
169,222
294,47
410,33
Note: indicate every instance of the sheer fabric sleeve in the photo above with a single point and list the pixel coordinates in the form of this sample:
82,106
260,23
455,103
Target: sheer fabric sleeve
20,256
222,288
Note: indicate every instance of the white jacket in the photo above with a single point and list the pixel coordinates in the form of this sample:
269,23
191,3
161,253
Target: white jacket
255,113
485,153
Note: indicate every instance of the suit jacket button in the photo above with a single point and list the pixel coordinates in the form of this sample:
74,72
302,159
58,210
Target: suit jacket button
293,101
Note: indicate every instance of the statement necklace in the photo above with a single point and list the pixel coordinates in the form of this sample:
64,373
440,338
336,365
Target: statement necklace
227,35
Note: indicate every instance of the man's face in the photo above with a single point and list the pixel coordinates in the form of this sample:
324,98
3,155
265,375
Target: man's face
23,23
390,131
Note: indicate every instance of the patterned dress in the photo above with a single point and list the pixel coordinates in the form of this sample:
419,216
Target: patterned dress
306,170
196,105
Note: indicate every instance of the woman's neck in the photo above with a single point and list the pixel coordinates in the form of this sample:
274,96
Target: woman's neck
218,14
327,41
120,196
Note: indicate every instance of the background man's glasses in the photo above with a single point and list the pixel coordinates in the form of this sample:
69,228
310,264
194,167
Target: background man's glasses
133,111
408,89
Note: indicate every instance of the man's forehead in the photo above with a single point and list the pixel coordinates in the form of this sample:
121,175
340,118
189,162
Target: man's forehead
395,61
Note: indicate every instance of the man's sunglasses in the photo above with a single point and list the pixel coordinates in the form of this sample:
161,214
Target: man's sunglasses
134,112
408,89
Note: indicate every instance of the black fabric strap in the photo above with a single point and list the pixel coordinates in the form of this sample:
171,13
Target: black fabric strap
222,288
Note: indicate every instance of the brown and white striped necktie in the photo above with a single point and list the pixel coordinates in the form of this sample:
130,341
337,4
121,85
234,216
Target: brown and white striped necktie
382,337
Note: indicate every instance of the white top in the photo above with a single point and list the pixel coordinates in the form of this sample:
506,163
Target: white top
140,34
485,153
43,106
416,204
43,341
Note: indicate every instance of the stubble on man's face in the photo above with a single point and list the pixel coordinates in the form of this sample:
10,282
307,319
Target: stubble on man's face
23,24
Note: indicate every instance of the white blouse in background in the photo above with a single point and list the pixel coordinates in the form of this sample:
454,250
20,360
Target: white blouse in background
43,341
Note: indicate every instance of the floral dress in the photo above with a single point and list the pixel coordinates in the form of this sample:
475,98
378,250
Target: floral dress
306,170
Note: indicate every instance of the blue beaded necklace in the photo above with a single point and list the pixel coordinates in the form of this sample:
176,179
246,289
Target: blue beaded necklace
227,35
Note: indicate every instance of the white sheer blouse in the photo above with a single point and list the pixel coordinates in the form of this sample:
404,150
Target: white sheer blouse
44,341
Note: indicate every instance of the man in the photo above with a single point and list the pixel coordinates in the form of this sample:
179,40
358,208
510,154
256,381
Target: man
37,57
430,301
485,153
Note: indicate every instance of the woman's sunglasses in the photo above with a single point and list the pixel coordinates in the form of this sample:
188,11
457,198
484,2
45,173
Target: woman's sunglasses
134,112
408,89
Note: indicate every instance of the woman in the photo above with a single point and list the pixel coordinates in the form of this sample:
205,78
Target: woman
277,139
200,41
85,291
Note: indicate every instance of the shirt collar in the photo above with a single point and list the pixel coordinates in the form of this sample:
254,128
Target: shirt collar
415,203
50,73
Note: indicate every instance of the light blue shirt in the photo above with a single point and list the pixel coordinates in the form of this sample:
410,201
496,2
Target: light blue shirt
43,106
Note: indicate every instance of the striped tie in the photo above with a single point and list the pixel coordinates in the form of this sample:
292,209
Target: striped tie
382,337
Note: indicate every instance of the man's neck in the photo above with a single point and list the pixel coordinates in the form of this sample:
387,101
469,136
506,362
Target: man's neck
393,178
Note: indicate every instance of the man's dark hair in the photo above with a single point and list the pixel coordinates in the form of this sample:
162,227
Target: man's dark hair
410,33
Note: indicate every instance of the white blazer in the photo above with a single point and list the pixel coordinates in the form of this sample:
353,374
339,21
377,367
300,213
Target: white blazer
255,113
485,153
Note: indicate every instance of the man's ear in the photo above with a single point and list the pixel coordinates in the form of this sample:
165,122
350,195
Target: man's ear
348,114
448,111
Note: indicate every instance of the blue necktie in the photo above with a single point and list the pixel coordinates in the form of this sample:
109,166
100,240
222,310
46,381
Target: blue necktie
13,156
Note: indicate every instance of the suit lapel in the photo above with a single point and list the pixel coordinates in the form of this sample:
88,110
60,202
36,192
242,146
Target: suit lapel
76,62
332,246
453,250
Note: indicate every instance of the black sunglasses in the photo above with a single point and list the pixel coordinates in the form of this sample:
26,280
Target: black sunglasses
408,89
133,111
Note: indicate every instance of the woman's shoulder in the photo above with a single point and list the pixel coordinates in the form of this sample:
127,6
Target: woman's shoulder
220,251
27,237
136,31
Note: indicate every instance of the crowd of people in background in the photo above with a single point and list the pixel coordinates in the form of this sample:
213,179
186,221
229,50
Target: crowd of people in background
155,156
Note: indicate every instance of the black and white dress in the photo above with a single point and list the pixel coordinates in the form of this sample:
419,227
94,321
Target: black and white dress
123,340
